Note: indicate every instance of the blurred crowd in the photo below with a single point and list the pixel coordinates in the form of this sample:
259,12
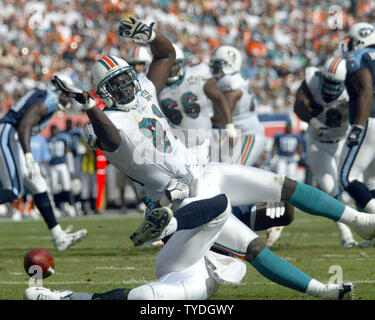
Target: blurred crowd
278,38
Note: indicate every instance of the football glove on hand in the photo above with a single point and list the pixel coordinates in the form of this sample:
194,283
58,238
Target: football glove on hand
32,167
135,29
74,92
354,135
90,137
275,209
320,128
175,191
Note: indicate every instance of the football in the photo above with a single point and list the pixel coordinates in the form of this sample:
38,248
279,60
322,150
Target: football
41,258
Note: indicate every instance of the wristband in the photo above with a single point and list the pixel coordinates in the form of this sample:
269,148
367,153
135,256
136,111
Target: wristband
89,104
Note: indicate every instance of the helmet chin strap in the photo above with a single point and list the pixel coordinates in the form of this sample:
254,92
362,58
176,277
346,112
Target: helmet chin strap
129,106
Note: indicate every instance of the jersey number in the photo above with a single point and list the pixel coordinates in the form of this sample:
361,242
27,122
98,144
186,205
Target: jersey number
191,108
152,129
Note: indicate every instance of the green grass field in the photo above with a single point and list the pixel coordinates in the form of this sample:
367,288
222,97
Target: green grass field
106,259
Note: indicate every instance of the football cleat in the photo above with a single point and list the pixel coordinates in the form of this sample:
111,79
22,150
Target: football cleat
40,293
153,228
273,234
64,240
349,243
346,291
338,291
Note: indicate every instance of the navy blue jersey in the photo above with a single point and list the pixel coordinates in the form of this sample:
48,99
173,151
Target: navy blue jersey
356,60
57,146
17,111
286,143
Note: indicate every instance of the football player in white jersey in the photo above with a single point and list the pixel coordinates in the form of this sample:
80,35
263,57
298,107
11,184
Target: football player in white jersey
136,137
188,99
226,65
322,101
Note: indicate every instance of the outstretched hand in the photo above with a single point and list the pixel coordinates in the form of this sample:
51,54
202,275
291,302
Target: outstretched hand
137,30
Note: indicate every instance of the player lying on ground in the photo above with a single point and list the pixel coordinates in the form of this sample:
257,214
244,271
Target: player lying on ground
27,117
137,139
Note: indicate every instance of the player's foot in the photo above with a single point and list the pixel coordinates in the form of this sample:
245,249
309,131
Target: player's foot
153,227
16,215
64,240
343,291
69,210
349,243
40,293
273,234
367,243
364,225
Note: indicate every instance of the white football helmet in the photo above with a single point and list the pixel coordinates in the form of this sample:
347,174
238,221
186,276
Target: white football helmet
333,78
225,60
115,82
139,54
360,35
178,70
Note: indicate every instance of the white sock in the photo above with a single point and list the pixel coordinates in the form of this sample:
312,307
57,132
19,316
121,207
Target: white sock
349,216
171,227
56,231
370,206
314,288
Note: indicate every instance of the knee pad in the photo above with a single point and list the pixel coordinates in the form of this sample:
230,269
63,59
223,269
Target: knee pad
36,185
145,292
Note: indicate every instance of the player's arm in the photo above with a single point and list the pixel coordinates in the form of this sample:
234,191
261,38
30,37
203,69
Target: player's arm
162,49
304,107
232,96
108,136
164,56
213,92
307,110
362,83
31,118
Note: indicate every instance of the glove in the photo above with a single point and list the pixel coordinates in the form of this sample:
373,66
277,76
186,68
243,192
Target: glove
354,135
69,89
175,191
320,128
32,167
90,137
135,29
275,209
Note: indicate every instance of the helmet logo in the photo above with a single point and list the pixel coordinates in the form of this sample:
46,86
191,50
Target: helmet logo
232,56
365,32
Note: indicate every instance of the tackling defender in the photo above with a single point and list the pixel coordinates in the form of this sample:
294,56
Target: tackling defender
27,117
135,137
322,101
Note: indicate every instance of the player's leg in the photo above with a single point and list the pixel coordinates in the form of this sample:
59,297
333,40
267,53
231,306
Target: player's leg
245,185
355,160
252,148
195,283
240,241
66,190
11,170
62,240
323,161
